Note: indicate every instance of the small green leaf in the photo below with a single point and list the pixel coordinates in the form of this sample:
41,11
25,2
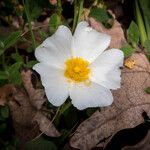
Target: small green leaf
17,57
99,14
31,63
12,39
55,21
14,74
133,34
43,35
4,112
1,45
3,75
127,50
40,144
147,90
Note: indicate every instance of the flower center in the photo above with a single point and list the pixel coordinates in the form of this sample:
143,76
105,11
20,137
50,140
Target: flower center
77,69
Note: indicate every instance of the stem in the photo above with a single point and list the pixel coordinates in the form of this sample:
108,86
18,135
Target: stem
62,109
77,13
80,10
75,16
140,23
59,7
30,25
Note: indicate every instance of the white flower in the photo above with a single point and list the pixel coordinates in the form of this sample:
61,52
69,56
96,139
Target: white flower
77,66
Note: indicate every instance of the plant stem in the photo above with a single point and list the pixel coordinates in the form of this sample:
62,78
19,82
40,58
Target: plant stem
75,16
59,7
62,109
143,36
30,25
80,10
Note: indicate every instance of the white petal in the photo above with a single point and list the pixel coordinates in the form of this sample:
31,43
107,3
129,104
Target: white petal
55,49
93,95
88,43
105,69
56,87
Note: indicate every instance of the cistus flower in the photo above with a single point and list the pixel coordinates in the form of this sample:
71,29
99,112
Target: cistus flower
77,66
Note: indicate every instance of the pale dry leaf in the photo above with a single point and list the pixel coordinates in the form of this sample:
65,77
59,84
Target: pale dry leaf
116,32
143,145
5,91
25,107
45,125
130,101
36,95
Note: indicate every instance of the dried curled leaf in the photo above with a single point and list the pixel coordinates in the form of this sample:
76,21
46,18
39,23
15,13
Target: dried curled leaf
36,96
116,32
46,125
27,115
130,101
5,91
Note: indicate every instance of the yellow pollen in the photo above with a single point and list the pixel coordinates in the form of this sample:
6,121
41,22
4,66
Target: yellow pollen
77,69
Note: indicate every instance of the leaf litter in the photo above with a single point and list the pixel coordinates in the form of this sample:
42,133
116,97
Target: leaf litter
130,101
27,110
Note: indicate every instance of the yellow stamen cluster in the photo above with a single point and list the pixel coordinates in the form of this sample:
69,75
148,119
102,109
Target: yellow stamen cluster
77,69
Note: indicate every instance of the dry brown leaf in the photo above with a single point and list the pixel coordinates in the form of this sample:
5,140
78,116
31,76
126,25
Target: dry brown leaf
36,95
143,145
5,91
45,125
130,101
116,32
27,117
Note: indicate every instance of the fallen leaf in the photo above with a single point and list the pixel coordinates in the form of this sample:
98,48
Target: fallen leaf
46,125
116,32
143,145
130,101
5,91
36,95
27,114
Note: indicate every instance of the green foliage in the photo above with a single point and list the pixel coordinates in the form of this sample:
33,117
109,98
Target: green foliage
40,144
13,73
17,57
55,21
31,63
147,90
127,50
3,75
10,41
133,34
99,14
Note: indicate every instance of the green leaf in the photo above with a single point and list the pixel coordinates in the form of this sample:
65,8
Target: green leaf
12,39
43,35
147,90
133,34
147,44
14,74
40,144
3,75
127,50
99,14
31,63
33,9
4,112
55,21
17,57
